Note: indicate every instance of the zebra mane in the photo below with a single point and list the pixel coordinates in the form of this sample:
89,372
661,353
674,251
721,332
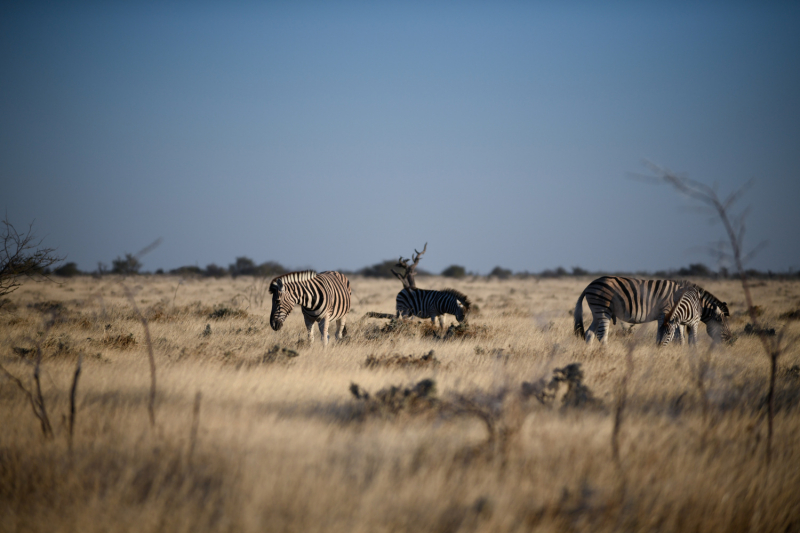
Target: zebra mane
461,297
302,275
707,297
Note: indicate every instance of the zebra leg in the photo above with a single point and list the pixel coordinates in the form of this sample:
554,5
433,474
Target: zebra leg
340,329
680,334
659,331
323,330
602,328
441,321
310,328
692,333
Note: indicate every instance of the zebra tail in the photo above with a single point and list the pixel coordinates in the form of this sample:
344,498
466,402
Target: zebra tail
578,316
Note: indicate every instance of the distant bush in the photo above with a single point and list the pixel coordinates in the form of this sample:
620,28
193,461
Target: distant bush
215,271
696,270
244,266
557,273
190,270
578,271
67,270
126,266
500,272
270,268
454,271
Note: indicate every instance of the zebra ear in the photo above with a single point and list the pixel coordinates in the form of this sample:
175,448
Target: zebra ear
277,285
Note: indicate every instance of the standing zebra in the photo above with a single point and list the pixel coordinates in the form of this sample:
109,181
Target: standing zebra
430,304
637,301
687,312
322,297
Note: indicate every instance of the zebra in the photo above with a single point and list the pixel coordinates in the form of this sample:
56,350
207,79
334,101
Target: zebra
430,304
687,312
322,297
637,301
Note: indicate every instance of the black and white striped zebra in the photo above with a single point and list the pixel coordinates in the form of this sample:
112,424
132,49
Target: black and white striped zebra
322,297
686,312
637,301
430,304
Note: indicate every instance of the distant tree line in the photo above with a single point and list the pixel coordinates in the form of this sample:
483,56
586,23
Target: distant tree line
244,266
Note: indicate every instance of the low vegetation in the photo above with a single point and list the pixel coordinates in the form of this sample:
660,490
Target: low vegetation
504,423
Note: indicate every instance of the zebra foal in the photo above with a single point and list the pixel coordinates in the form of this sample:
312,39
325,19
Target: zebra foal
322,297
637,301
430,304
687,312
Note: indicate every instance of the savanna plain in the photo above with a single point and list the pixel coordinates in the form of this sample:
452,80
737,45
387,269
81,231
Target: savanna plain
398,427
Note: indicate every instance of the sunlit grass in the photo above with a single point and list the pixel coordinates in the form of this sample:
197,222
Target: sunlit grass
283,444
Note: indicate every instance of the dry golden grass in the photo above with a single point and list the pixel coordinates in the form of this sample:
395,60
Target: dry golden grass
281,444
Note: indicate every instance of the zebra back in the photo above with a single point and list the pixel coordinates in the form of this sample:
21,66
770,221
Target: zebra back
687,307
424,303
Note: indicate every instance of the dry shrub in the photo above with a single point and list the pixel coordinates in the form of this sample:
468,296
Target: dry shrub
226,312
790,315
60,345
576,394
121,341
402,361
462,331
276,354
48,307
394,399
750,329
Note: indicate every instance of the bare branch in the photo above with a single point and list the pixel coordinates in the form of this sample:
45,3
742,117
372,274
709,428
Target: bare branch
735,229
407,278
72,392
22,256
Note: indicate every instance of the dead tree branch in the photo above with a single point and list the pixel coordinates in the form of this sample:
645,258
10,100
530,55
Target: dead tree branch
407,278
734,225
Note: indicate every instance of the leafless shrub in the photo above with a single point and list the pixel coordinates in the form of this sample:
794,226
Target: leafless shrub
257,292
35,397
72,391
22,256
735,226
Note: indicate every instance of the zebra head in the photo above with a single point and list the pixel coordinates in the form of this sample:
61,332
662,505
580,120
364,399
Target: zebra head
668,332
686,307
282,304
717,324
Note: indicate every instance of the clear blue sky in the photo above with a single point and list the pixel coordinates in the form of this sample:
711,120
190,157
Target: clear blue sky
339,134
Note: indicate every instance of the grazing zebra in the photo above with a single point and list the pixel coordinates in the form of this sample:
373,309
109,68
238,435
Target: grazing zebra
637,301
687,312
430,304
322,297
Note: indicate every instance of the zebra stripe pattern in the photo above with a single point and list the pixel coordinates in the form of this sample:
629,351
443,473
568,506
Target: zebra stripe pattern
687,312
637,301
322,297
430,304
